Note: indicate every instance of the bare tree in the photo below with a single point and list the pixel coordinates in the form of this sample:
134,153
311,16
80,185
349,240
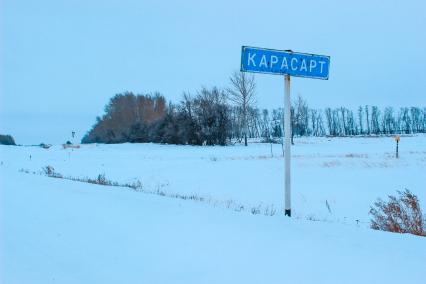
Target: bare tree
368,122
360,118
242,93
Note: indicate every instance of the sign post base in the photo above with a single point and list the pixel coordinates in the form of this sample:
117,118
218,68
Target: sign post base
287,212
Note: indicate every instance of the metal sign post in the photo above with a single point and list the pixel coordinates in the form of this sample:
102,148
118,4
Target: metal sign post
287,63
287,153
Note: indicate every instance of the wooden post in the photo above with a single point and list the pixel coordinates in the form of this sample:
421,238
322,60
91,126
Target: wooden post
397,138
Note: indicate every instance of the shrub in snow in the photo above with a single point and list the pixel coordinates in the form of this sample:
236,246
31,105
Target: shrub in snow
401,214
49,170
101,179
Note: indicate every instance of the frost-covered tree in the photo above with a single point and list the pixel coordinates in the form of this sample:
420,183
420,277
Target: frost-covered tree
242,94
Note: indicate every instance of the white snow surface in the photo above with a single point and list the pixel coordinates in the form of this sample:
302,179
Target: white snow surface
62,231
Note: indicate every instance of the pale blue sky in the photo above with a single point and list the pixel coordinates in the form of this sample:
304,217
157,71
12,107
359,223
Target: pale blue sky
61,61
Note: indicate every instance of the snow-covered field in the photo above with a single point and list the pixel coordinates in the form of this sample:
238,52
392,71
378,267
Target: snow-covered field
62,231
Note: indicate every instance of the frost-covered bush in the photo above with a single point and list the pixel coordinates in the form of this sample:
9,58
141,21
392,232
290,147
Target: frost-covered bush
400,214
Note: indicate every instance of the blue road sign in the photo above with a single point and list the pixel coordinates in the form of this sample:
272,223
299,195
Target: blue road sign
262,60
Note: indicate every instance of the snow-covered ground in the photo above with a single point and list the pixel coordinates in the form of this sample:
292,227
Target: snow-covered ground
61,231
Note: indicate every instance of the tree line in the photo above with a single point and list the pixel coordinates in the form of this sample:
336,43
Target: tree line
220,116
197,120
7,140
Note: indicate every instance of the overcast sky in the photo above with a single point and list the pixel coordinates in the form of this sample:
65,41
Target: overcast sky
61,61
